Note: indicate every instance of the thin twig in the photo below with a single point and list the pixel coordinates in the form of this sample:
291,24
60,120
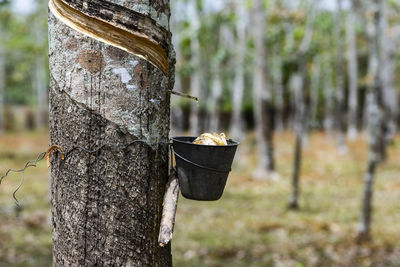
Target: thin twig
184,95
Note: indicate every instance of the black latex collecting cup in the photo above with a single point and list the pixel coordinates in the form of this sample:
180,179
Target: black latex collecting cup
202,169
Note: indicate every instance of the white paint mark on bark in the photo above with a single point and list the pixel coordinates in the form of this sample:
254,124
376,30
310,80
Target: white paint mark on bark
125,76
155,101
133,62
131,87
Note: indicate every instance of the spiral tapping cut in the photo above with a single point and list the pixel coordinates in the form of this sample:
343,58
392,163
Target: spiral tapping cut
114,33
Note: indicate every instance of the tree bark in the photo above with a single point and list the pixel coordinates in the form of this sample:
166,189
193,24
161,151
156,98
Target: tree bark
176,107
279,91
371,69
262,97
366,210
340,89
352,73
195,79
215,108
297,84
329,99
41,92
237,130
299,89
225,43
2,86
315,85
107,202
377,127
391,95
39,78
388,51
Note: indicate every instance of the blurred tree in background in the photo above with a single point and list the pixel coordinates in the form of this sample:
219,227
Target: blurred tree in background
24,53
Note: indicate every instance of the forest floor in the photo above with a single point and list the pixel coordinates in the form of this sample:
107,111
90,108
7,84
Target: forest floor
250,225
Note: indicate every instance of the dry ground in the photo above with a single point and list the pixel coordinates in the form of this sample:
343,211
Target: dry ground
250,225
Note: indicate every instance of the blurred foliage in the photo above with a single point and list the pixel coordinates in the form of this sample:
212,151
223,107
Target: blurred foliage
286,25
24,38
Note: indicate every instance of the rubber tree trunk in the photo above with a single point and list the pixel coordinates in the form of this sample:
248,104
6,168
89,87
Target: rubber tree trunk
328,99
371,70
278,90
176,107
352,73
297,87
388,51
41,92
262,97
39,79
215,100
2,87
366,209
298,84
377,144
340,88
237,127
391,94
315,87
107,200
195,79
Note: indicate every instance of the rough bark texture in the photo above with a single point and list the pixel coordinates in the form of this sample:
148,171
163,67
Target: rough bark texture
262,97
106,205
352,73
